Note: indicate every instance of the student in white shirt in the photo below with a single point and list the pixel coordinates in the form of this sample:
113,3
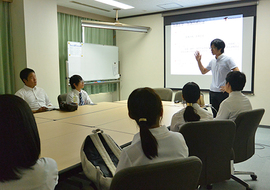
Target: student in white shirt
154,143
193,111
236,102
36,97
20,165
77,95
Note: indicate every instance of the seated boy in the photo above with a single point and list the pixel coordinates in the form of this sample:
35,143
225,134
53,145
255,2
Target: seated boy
36,97
236,102
77,95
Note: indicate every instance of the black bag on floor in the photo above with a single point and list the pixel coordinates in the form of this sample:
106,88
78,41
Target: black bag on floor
99,157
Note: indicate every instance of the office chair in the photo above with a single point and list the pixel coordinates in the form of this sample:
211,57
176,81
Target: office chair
244,143
212,142
164,93
61,98
178,97
182,173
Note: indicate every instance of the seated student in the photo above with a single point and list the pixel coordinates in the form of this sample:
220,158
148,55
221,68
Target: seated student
193,111
154,143
77,95
20,165
236,102
35,96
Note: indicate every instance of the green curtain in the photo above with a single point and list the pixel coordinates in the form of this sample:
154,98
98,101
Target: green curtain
7,80
69,29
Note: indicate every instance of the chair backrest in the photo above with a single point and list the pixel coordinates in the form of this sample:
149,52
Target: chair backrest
164,93
212,142
182,173
178,96
246,127
61,98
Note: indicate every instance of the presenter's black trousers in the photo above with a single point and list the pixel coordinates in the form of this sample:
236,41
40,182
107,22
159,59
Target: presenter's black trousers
215,99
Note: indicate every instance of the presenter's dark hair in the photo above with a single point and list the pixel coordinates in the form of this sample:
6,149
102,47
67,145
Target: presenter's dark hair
237,80
25,72
75,79
191,94
19,138
145,103
219,44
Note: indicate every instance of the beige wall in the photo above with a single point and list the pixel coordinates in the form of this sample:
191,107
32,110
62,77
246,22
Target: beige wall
141,55
36,43
142,61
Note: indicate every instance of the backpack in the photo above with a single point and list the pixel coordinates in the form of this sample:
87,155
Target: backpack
99,158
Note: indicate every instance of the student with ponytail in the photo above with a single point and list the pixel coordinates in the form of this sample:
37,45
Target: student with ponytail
193,111
154,143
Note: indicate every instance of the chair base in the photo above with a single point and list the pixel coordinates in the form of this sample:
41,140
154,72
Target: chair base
252,174
241,182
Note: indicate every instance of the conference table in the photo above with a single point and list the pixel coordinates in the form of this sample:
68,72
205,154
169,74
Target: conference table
62,133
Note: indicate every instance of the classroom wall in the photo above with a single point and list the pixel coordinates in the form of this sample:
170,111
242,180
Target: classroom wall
36,34
142,61
141,55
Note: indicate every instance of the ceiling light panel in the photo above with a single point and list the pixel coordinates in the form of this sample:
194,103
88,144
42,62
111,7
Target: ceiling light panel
115,4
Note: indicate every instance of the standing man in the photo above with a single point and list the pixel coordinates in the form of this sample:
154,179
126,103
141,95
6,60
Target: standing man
220,66
36,97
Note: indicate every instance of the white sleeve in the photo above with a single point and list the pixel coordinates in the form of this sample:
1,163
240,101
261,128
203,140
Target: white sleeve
18,93
88,100
223,112
47,100
124,161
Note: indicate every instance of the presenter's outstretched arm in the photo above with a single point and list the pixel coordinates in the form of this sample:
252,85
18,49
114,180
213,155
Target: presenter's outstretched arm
198,57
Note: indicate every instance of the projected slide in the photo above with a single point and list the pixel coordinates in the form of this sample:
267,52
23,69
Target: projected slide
196,35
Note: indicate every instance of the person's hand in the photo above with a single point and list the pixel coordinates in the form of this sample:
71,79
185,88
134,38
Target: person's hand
222,89
198,56
41,109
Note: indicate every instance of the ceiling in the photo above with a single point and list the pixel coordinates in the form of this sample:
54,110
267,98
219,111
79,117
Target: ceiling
141,6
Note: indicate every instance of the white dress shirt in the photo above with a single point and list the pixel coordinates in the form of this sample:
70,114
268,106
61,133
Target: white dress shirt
178,118
220,67
233,105
73,97
42,176
35,97
171,145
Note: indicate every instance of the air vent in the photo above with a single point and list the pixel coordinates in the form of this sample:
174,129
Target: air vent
169,6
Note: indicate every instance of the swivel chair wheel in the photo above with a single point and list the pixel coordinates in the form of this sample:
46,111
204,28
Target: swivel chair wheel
248,188
209,186
254,177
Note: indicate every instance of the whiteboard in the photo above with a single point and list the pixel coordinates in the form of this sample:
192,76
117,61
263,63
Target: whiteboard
92,61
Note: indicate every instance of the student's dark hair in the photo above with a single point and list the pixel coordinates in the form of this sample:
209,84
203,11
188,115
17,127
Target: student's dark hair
237,80
219,44
19,138
75,79
25,72
191,94
145,107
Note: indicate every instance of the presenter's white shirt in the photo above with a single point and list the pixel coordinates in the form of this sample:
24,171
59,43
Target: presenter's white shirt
43,176
171,145
73,97
35,97
233,105
220,67
178,118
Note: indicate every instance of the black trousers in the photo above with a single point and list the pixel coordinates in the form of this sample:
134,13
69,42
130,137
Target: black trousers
215,99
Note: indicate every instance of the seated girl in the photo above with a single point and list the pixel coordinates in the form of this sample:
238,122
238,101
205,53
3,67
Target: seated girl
193,111
154,143
77,95
20,165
